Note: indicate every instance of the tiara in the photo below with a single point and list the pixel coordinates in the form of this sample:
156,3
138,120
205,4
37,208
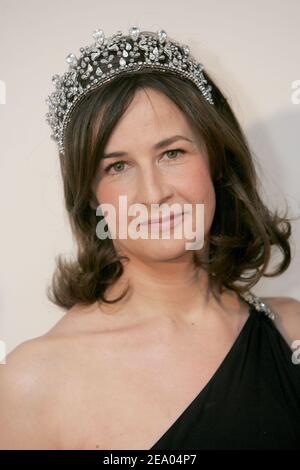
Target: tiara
100,62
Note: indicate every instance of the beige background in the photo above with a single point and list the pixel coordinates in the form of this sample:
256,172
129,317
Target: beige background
251,48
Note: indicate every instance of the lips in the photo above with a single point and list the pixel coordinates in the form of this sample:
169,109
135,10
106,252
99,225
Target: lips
161,219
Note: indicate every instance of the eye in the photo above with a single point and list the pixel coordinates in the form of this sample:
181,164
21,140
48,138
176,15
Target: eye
122,162
113,165
177,151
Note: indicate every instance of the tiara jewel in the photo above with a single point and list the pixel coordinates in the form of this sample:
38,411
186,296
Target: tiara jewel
107,57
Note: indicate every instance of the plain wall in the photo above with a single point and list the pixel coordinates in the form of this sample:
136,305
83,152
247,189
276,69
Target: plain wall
251,49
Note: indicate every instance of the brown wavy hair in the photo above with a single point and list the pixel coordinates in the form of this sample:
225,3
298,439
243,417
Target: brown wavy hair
243,229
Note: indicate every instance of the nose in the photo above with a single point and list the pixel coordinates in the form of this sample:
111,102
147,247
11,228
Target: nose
153,187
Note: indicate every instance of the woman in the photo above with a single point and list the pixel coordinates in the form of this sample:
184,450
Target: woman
160,347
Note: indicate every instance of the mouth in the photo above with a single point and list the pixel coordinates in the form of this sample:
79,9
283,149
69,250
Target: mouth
163,220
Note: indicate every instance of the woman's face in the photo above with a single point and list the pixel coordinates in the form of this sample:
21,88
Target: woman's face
177,172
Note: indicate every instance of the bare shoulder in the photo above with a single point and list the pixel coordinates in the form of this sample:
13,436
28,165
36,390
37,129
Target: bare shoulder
27,389
32,381
287,316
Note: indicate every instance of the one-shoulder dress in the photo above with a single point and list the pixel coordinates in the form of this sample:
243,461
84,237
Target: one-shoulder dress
253,399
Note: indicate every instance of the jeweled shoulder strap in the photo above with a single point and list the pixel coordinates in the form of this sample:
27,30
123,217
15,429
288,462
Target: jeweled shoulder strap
258,304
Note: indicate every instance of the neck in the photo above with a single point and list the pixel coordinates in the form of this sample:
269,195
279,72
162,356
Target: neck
174,288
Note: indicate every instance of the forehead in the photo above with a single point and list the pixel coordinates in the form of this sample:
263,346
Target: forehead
150,116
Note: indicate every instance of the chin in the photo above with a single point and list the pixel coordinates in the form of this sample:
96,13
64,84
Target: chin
161,250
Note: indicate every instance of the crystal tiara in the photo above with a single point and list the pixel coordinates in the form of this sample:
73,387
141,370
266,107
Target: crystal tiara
107,57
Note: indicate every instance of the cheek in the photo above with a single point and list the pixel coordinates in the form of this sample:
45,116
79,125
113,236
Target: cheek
106,193
196,183
197,187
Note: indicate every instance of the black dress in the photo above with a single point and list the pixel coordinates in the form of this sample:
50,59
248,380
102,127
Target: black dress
253,399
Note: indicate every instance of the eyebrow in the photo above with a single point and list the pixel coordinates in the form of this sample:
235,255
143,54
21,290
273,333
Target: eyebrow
163,143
